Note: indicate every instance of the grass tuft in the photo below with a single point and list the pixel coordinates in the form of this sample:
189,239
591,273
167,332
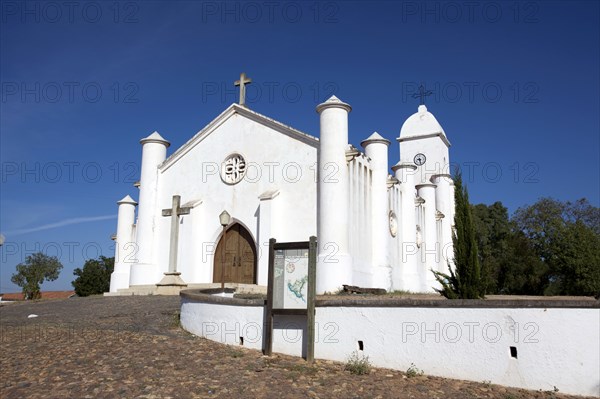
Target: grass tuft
413,371
358,364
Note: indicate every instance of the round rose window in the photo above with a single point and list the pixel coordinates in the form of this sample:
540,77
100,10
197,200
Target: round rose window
233,169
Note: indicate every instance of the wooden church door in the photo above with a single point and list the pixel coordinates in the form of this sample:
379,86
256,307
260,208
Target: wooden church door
240,257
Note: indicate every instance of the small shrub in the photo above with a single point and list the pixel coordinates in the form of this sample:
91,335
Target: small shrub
413,371
270,361
552,393
175,321
401,292
303,369
235,353
358,364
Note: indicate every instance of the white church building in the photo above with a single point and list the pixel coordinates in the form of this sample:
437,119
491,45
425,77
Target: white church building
374,229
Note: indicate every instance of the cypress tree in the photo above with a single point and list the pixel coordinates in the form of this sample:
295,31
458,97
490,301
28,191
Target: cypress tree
466,281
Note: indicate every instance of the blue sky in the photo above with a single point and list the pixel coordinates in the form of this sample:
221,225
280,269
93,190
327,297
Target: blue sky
516,88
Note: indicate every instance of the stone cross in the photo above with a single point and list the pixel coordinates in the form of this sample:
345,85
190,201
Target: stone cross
174,212
242,83
422,94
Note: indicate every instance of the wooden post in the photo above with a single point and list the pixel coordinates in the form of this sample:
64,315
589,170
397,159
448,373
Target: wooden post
269,311
310,300
223,260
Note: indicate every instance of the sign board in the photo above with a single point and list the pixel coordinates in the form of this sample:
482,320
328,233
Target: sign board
291,287
290,280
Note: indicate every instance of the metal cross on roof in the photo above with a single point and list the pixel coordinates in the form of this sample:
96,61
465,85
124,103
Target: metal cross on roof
422,94
244,80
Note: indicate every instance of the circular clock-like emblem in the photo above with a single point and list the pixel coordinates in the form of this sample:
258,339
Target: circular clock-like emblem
393,224
233,168
291,267
420,159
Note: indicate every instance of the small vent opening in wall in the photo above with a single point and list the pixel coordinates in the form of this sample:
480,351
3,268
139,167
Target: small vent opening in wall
360,346
242,341
513,351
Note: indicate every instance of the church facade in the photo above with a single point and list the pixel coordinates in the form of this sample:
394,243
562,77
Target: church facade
374,229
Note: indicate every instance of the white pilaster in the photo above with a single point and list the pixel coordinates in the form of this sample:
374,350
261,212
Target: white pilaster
376,148
194,249
334,263
444,202
154,151
124,245
429,250
265,233
406,277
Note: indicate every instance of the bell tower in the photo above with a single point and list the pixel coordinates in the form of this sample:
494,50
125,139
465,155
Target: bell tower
423,142
428,196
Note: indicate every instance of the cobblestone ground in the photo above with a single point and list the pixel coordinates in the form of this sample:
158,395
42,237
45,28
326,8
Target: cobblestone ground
132,347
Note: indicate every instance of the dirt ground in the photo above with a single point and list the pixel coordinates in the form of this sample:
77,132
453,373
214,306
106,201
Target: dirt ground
133,347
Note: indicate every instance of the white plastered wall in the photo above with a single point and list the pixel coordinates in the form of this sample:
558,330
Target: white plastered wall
555,347
275,161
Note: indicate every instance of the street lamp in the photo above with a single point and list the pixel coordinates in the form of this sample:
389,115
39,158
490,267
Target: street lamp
224,219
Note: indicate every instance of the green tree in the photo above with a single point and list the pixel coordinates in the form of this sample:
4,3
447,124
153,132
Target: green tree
94,278
467,280
506,253
521,271
565,236
36,269
575,262
492,232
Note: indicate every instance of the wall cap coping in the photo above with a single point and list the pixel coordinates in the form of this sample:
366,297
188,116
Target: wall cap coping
458,303
205,296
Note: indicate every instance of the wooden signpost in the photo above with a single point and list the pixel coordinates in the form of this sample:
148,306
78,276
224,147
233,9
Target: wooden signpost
292,287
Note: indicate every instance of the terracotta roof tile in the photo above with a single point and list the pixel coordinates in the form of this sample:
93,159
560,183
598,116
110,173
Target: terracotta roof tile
18,296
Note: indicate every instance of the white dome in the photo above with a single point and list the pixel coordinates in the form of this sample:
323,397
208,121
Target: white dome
127,200
155,138
420,124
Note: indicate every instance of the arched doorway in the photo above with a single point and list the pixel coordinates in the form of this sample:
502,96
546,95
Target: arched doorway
237,246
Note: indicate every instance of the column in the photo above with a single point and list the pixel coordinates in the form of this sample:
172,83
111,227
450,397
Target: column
444,202
429,248
124,247
265,233
334,263
407,276
376,148
154,151
452,214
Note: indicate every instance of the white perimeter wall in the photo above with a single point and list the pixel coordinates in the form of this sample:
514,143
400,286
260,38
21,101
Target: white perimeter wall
556,347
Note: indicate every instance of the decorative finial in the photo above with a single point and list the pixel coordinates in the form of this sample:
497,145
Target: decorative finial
422,94
244,80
